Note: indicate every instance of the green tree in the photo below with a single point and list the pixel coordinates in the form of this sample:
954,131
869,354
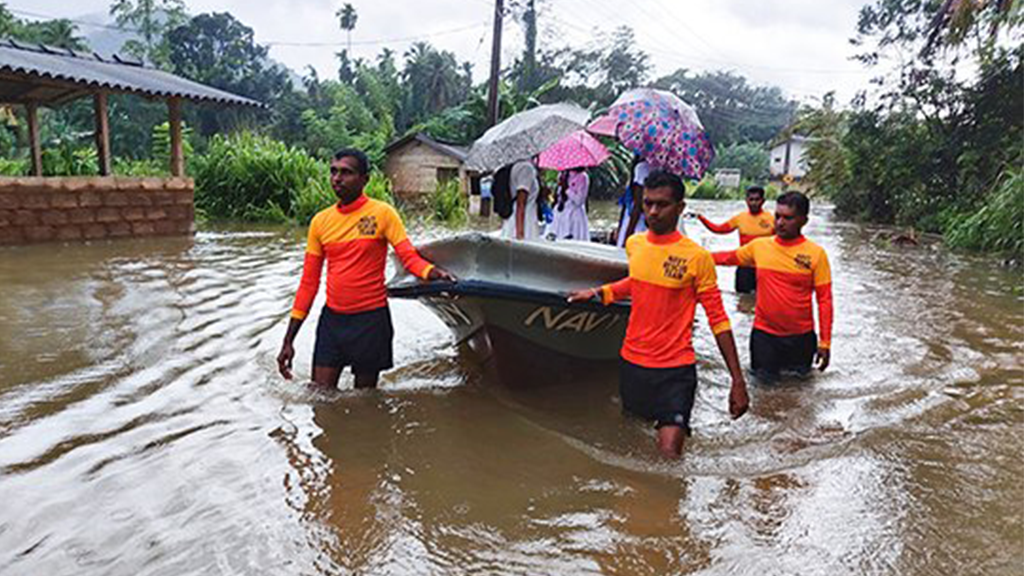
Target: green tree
151,19
600,73
218,50
433,81
347,18
828,168
732,110
750,158
936,150
61,33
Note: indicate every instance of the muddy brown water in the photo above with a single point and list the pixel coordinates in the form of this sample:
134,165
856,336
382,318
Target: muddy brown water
144,430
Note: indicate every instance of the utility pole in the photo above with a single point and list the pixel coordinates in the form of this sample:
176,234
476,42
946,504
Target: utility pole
492,94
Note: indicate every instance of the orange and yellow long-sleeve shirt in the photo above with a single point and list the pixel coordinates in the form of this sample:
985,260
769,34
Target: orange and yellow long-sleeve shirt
353,239
751,226
668,275
788,272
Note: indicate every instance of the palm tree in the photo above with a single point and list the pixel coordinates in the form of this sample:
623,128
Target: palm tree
61,33
347,20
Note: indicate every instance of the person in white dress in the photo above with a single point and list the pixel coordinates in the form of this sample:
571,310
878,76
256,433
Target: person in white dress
523,223
632,219
571,222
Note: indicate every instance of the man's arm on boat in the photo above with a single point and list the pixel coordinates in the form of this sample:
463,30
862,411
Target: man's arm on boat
608,293
394,231
710,298
312,267
823,294
724,228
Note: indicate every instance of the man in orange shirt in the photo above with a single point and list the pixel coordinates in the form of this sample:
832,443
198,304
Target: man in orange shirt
752,224
790,268
668,275
352,236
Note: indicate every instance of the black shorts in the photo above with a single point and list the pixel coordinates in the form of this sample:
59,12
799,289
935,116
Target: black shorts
361,340
664,395
771,354
746,280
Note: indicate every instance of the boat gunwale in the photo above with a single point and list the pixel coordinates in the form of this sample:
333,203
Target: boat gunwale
497,290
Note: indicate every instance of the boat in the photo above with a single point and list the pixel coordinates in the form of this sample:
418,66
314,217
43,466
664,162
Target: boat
509,304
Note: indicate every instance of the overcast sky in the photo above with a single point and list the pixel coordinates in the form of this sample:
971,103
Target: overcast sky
799,45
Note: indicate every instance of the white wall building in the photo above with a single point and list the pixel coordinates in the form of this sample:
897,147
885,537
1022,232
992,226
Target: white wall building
789,157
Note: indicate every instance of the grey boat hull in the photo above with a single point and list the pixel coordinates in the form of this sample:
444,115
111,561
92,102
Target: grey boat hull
509,304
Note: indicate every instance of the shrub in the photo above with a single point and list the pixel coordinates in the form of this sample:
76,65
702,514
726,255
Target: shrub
15,167
998,226
707,189
65,159
311,198
248,176
448,204
129,167
379,188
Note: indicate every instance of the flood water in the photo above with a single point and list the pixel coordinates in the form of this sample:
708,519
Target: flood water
144,430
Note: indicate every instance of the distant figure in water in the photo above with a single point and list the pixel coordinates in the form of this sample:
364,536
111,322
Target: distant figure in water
668,275
790,268
352,236
571,222
752,224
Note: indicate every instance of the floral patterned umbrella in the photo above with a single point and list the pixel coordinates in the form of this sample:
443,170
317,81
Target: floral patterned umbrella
663,130
577,150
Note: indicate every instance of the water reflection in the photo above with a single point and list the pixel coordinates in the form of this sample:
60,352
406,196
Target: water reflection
143,429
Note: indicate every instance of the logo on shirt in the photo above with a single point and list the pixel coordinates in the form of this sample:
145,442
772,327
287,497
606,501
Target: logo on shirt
764,224
367,225
675,267
802,261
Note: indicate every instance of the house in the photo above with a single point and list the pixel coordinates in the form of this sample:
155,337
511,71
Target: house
416,163
788,162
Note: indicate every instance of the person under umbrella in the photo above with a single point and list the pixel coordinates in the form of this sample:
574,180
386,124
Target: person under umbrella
571,222
522,223
631,218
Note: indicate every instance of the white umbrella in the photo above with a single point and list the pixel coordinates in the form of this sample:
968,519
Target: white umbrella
525,135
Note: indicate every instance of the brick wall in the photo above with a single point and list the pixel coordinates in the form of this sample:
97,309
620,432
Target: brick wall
91,208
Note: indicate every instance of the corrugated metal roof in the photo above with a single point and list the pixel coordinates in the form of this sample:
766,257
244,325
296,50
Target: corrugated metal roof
449,149
91,71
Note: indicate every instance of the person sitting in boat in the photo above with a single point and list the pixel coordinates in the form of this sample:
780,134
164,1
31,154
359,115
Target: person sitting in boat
352,236
668,275
752,224
523,223
631,218
790,268
571,221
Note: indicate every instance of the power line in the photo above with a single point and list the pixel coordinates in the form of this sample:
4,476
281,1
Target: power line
378,41
74,21
269,43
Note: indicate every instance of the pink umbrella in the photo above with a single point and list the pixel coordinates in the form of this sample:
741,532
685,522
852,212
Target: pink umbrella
577,150
605,126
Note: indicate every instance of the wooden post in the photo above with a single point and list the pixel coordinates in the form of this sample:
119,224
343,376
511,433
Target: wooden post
177,156
36,152
102,133
492,85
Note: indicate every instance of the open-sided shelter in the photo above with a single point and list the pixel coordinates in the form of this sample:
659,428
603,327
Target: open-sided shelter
36,209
